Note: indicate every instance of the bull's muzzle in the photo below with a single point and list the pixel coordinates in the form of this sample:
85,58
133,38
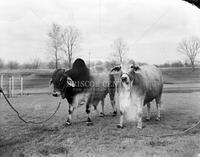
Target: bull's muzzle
55,94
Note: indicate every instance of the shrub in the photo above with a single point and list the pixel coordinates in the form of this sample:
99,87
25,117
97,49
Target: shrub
1,64
13,65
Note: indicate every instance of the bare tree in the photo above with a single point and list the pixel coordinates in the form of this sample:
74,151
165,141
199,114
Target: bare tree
35,62
190,48
120,49
70,38
55,41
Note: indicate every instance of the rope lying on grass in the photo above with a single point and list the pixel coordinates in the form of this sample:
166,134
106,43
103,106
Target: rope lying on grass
182,133
22,119
173,134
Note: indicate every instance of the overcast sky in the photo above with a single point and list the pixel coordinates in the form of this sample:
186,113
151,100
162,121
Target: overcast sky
152,29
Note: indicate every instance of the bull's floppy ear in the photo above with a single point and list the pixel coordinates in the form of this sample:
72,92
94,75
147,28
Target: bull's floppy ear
116,69
70,82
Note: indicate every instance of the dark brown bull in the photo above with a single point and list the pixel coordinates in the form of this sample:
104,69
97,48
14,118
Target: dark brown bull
78,82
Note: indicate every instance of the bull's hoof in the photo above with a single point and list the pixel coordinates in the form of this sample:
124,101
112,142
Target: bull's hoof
139,127
89,122
114,113
102,114
157,118
68,123
120,126
55,94
147,119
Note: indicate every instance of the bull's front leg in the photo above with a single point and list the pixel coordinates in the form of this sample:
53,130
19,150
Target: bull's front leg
88,107
139,123
121,120
71,110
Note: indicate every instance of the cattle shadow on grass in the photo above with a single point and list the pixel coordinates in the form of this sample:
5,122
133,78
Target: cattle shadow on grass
31,133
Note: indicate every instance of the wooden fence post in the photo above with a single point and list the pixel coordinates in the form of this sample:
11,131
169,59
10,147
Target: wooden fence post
1,83
22,86
12,86
9,86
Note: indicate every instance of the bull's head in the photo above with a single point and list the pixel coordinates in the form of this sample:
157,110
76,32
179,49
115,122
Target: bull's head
55,88
59,82
126,74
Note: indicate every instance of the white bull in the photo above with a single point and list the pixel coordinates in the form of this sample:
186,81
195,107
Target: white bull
139,86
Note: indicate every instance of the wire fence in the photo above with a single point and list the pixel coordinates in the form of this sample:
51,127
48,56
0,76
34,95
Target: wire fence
37,82
16,85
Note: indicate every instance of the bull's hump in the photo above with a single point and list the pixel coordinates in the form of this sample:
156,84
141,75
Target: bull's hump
79,74
149,79
78,64
151,73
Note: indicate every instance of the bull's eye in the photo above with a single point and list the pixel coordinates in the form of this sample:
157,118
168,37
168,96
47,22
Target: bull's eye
61,79
124,79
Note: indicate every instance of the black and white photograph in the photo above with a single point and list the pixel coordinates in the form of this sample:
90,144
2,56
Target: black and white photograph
100,78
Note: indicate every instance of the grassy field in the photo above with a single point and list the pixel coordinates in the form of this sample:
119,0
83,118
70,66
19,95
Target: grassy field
181,75
180,110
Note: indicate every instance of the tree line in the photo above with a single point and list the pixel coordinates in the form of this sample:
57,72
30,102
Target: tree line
97,66
34,63
67,40
63,42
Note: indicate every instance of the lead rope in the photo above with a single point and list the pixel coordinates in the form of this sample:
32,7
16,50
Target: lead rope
182,133
22,119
